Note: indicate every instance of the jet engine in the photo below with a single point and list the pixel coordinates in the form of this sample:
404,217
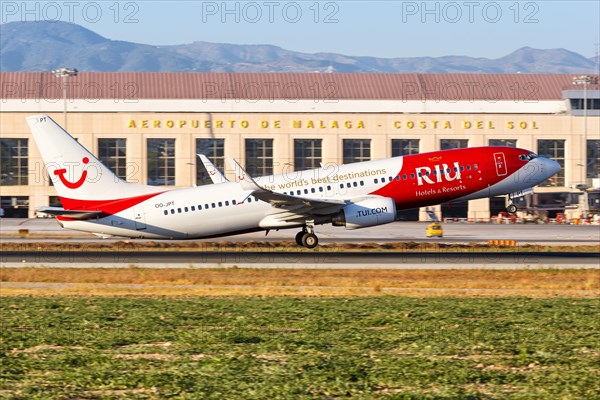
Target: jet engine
369,212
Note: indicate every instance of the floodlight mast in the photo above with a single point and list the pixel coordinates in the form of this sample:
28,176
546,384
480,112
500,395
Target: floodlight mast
585,80
64,73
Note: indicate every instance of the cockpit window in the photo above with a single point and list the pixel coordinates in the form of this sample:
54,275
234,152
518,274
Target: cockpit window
528,157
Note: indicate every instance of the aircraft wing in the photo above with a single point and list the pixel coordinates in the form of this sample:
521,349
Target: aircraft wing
73,214
286,207
215,175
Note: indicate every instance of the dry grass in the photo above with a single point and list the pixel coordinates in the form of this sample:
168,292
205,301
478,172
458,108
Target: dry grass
303,282
196,245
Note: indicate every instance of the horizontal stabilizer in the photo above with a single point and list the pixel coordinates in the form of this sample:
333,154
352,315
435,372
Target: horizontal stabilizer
73,214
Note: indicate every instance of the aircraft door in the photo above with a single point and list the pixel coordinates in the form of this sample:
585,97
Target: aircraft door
139,218
500,162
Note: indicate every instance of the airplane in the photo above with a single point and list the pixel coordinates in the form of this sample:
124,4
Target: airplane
354,196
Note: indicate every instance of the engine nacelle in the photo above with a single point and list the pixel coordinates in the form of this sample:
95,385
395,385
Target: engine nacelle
365,213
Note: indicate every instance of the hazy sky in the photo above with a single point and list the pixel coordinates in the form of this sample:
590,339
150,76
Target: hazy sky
372,28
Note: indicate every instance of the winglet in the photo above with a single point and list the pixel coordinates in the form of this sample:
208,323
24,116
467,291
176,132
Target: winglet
215,175
242,177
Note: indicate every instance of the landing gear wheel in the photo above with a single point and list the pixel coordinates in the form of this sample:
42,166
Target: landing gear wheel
511,209
310,240
299,236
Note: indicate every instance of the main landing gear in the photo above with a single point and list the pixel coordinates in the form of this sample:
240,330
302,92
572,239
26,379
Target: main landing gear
512,209
307,238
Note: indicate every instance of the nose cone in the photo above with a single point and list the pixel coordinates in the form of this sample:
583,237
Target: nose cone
549,167
539,169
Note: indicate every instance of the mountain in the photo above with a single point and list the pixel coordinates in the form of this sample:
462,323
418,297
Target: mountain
43,46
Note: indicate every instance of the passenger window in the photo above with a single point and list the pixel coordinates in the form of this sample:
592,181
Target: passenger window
420,174
468,167
179,210
390,178
226,203
354,184
341,185
376,181
185,209
362,183
213,205
398,177
166,212
172,211
220,204
462,168
412,176
233,202
474,166
193,208
305,191
320,188
312,190
249,199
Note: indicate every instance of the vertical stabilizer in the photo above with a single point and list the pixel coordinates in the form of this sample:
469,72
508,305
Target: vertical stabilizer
75,172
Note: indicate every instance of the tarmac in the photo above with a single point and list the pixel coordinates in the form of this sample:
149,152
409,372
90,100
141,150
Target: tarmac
47,230
41,230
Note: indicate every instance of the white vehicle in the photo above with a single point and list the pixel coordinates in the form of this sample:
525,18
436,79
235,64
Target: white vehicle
354,195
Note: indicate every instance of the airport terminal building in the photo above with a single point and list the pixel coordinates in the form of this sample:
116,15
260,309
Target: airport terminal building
148,127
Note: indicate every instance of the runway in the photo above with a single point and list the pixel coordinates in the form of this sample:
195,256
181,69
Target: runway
47,230
269,258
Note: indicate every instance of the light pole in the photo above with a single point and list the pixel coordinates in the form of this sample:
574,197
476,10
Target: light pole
584,80
64,73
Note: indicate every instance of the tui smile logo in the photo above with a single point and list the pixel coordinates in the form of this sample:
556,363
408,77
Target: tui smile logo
72,185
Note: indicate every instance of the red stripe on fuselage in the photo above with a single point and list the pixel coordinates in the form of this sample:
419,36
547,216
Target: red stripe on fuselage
108,207
445,186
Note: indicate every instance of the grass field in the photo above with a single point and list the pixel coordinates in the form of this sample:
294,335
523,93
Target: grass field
299,348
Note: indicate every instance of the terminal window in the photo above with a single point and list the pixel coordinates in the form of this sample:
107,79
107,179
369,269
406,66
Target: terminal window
503,142
448,144
593,159
592,104
259,157
113,154
307,154
356,150
554,149
404,147
214,149
161,162
13,162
